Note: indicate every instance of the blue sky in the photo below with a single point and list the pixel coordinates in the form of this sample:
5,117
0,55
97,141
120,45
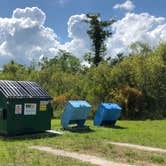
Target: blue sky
32,29
59,11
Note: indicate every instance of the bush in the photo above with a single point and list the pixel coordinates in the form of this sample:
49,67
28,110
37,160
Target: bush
131,100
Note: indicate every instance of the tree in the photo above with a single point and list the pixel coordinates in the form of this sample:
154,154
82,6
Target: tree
14,71
139,48
98,32
65,61
68,62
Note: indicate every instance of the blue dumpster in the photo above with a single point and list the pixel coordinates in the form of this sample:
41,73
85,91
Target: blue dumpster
76,112
107,114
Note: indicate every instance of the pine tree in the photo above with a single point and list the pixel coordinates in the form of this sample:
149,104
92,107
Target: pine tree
98,32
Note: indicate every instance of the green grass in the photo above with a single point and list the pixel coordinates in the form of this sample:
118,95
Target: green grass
17,154
149,133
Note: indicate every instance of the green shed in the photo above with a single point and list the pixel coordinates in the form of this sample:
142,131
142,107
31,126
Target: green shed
25,107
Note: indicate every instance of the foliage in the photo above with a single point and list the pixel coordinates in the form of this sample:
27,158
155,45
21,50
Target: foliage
98,32
131,100
135,82
14,71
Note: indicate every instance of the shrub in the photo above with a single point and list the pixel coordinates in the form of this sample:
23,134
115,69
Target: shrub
131,100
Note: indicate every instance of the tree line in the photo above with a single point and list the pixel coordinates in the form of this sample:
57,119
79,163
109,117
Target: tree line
136,82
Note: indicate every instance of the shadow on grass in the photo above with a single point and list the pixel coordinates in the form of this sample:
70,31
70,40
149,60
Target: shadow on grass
114,127
30,136
85,129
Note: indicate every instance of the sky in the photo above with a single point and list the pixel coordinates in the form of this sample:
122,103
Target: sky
32,29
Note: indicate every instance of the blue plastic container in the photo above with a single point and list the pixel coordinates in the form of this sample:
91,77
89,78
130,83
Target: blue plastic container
107,114
76,112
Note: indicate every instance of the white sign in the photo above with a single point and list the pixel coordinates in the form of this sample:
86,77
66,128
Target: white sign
30,109
18,109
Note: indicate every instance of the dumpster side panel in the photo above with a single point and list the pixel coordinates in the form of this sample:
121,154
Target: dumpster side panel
3,120
111,115
80,113
99,116
34,121
66,116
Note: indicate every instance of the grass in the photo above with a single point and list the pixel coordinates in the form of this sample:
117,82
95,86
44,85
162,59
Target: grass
150,133
16,154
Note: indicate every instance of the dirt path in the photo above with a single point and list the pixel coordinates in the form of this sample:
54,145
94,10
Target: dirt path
144,148
79,156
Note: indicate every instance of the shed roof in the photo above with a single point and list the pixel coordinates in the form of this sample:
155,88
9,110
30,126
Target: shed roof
79,103
22,89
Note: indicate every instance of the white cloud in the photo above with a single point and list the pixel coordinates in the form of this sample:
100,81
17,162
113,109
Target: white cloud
31,15
131,28
24,38
136,27
77,31
127,5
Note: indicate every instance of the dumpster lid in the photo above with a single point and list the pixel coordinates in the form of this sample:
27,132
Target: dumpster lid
110,106
79,103
22,89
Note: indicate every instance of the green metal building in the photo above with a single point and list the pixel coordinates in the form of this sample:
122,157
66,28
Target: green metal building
25,107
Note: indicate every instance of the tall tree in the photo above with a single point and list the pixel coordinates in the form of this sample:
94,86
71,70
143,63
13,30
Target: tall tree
98,32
